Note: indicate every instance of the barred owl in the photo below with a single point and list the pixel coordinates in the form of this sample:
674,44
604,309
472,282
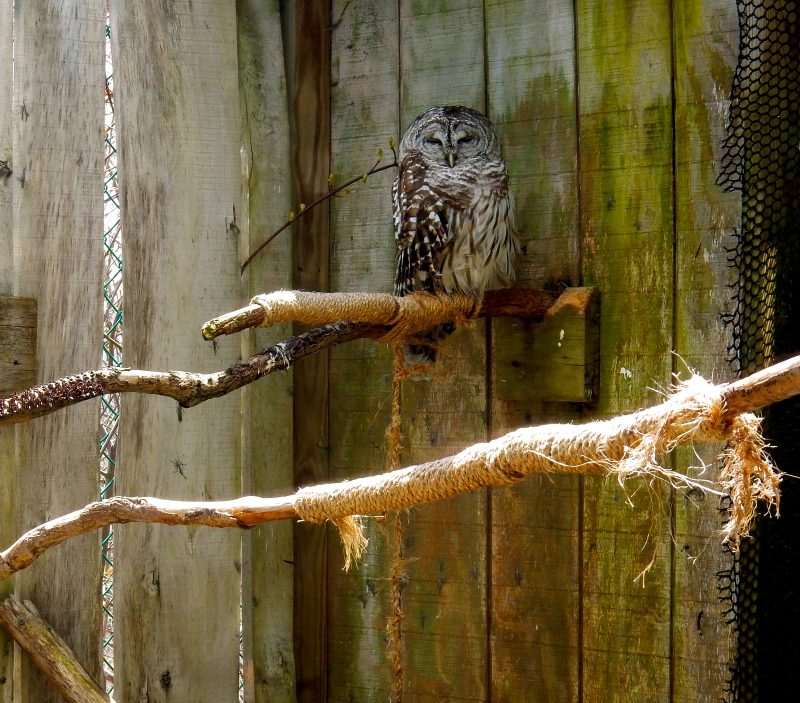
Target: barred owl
453,212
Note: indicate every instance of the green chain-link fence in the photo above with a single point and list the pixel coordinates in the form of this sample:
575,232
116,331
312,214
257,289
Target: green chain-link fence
112,353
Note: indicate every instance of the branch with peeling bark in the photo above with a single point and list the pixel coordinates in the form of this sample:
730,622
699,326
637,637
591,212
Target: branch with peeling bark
398,489
50,653
190,389
186,387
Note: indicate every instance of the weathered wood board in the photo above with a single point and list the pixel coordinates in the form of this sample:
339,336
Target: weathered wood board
364,111
706,42
177,589
307,36
445,600
7,434
57,250
627,224
535,529
17,344
267,450
6,147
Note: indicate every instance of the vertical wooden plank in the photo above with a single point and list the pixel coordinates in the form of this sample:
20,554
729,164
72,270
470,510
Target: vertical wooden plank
625,146
6,141
7,434
268,550
364,63
307,36
705,39
177,589
445,634
58,211
535,547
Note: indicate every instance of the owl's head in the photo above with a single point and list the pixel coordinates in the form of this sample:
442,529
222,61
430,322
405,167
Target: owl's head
451,135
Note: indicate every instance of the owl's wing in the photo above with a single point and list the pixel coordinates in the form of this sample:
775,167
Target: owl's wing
420,222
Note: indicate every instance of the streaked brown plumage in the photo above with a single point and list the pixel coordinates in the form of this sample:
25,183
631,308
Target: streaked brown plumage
453,211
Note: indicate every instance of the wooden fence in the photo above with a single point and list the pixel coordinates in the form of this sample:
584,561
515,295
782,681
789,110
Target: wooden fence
229,115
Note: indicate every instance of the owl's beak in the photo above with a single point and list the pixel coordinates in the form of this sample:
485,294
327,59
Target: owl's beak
451,158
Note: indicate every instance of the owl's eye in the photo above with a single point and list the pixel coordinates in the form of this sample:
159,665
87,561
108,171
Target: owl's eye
466,141
433,141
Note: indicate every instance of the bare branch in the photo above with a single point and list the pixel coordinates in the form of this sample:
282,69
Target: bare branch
50,653
623,446
762,388
243,512
187,387
190,389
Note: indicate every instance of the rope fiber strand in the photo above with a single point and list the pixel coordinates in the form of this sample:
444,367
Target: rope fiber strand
406,316
624,447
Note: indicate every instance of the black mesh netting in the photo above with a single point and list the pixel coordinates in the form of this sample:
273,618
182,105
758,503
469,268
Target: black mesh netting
762,160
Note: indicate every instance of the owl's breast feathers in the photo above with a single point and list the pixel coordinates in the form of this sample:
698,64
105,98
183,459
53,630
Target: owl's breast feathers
454,227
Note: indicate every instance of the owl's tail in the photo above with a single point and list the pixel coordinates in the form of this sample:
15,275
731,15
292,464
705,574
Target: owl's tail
421,354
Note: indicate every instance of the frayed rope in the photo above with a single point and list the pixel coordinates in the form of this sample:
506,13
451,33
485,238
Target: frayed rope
625,447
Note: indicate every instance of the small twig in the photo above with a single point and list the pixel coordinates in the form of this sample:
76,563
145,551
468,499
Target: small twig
322,198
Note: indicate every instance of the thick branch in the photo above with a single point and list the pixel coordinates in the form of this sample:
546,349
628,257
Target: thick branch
762,388
243,512
50,653
698,411
190,389
321,308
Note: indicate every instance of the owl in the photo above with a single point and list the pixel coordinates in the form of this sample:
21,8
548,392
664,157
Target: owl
453,212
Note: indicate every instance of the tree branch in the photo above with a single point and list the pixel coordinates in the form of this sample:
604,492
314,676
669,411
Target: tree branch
319,308
50,653
697,411
187,387
190,389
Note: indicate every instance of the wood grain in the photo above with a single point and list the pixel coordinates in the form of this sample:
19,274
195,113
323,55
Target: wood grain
364,115
267,459
535,527
307,39
17,344
177,590
58,210
626,180
7,434
445,653
6,148
705,40
49,652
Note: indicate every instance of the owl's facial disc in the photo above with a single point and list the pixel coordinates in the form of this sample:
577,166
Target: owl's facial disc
448,143
466,143
435,143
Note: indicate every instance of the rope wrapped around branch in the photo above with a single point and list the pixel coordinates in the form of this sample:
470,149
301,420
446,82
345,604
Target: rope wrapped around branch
406,316
624,447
